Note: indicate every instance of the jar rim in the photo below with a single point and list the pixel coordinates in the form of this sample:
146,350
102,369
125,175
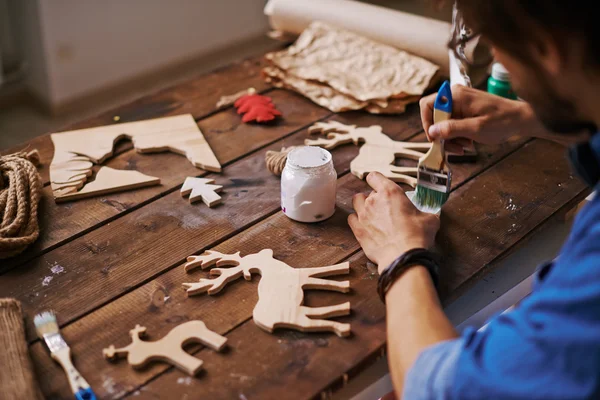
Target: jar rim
308,157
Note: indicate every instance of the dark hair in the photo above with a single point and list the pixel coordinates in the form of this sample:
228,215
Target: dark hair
511,25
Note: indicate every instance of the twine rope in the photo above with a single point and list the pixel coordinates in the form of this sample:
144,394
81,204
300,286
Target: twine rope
275,160
20,192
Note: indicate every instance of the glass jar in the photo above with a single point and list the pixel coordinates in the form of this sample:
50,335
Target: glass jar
308,185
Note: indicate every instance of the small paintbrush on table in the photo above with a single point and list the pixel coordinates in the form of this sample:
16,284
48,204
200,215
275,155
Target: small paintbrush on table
47,329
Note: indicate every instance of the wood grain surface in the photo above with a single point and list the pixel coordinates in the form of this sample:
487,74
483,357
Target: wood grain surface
106,264
196,96
230,140
117,251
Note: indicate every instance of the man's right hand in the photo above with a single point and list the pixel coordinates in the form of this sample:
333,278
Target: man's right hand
478,116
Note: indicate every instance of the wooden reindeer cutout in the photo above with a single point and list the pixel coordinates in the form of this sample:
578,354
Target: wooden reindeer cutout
378,152
201,189
169,348
75,152
280,290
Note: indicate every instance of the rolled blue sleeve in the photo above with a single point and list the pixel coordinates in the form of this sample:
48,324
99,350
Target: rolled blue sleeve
432,375
547,348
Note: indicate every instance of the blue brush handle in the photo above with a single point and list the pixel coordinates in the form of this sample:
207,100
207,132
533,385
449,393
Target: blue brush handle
85,394
443,100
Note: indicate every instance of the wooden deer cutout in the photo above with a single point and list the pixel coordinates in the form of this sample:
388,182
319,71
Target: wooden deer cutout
168,349
75,153
378,152
280,290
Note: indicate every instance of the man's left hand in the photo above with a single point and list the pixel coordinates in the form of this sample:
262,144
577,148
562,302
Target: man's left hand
387,224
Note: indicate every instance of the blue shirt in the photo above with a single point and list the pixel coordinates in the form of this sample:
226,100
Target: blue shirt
547,348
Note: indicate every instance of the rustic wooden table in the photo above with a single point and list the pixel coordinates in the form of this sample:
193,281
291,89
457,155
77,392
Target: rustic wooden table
107,263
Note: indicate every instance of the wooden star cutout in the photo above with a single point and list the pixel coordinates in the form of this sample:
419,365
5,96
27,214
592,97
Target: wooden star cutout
201,188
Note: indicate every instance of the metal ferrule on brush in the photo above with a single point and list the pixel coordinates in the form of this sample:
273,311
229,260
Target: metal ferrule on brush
55,341
432,179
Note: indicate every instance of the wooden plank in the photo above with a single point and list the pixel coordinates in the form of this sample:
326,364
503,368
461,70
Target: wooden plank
487,156
288,364
230,140
267,365
499,210
62,222
122,254
197,96
327,243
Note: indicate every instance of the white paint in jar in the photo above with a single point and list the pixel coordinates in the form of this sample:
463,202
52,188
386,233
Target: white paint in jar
308,185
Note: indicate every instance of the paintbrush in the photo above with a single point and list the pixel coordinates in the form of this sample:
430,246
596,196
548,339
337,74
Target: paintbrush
433,174
47,329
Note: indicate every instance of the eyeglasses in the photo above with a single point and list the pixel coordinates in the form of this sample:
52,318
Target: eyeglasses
461,35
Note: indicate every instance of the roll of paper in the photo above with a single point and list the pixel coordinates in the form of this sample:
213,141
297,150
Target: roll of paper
421,36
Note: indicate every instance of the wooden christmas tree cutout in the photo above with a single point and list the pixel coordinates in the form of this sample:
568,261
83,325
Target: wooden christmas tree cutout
280,290
378,152
75,152
168,349
200,189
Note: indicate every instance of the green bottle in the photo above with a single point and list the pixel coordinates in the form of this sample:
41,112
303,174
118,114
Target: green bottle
499,82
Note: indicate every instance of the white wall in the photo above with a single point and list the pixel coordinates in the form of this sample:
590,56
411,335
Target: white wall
90,44
27,27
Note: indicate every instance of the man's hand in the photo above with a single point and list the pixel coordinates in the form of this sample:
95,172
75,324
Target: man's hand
387,224
479,116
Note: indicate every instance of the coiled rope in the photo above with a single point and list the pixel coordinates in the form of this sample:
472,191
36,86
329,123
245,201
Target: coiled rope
20,192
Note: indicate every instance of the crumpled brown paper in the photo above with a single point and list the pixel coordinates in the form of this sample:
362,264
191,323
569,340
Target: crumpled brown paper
342,71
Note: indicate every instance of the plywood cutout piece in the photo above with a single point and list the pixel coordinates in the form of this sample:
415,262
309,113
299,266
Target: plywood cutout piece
378,153
75,152
201,189
168,349
226,101
111,180
280,290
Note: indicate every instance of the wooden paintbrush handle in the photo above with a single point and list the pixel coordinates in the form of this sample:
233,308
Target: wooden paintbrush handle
63,357
436,156
442,110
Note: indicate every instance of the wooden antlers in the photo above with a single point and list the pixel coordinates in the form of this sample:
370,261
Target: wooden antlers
280,305
75,153
378,152
280,290
169,348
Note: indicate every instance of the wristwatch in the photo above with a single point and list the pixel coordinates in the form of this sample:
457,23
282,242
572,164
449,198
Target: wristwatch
411,258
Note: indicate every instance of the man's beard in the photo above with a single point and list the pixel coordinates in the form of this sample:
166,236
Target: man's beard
555,112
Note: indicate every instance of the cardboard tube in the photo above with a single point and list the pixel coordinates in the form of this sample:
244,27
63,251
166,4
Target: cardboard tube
421,36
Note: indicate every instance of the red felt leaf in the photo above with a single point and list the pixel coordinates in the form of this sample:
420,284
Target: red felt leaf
252,98
260,113
256,107
247,106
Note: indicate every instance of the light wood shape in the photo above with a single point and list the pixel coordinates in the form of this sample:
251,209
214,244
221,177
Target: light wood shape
226,101
75,152
280,290
168,349
201,189
110,180
378,152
